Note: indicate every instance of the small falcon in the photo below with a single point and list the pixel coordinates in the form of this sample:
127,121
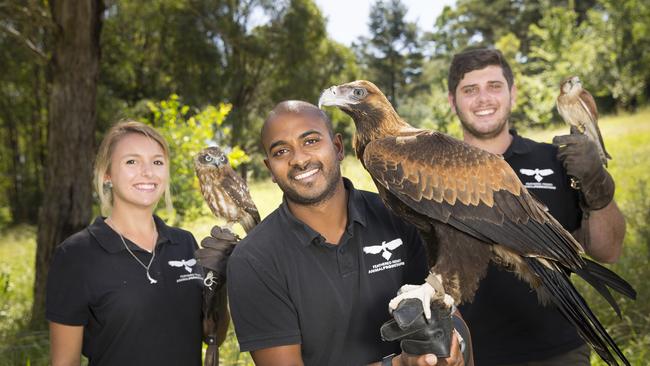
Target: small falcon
471,208
224,190
578,108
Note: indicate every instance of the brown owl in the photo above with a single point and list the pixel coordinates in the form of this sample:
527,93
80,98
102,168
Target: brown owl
578,108
224,190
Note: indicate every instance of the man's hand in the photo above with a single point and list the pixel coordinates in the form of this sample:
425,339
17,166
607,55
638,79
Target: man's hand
454,359
215,251
580,158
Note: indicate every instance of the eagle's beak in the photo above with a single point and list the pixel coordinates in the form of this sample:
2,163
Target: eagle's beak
332,96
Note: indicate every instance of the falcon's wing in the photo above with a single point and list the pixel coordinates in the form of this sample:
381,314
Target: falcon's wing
237,189
474,191
589,105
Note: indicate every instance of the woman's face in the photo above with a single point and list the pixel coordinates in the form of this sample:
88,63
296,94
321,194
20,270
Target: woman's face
138,171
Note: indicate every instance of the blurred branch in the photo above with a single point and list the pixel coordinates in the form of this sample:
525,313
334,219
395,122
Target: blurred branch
7,28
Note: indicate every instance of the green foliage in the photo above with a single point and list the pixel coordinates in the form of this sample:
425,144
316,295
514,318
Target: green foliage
393,53
17,254
187,132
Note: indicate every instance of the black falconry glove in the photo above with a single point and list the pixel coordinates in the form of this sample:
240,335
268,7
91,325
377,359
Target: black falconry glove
580,158
213,257
419,336
214,253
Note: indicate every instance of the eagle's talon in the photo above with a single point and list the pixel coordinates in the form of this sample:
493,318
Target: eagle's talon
425,293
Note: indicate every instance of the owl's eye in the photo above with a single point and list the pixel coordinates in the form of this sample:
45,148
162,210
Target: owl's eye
359,92
223,158
208,158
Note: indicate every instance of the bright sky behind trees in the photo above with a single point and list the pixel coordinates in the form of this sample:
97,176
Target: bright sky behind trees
348,19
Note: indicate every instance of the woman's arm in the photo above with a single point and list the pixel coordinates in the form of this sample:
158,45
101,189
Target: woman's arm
65,344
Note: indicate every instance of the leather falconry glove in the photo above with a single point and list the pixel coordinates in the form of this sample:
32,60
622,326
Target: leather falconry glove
419,336
580,158
213,257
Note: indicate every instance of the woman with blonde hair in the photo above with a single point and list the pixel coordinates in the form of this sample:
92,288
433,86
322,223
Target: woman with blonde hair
126,290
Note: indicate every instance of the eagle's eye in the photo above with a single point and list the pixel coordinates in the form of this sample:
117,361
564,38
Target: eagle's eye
359,92
207,158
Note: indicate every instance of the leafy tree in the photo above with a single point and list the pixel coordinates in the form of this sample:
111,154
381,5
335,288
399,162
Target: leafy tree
187,131
392,55
24,30
628,22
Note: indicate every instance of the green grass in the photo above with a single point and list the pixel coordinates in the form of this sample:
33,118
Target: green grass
627,138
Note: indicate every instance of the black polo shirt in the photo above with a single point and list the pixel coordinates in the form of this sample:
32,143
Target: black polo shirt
507,322
288,286
95,282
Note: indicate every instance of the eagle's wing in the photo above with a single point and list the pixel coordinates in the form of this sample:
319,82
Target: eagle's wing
237,189
470,189
478,194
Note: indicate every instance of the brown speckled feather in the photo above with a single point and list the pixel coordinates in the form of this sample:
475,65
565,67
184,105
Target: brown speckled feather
470,189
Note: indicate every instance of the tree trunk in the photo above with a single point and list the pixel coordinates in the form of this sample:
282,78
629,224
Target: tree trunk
67,200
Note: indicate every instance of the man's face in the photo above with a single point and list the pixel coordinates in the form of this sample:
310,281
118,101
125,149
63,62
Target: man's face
482,101
302,157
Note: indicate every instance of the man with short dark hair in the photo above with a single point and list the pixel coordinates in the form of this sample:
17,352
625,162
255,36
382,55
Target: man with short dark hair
311,283
508,325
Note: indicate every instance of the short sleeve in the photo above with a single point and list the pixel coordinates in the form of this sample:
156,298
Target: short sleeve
67,295
262,311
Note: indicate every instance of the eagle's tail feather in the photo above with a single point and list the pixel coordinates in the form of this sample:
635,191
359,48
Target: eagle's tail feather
575,309
599,277
611,279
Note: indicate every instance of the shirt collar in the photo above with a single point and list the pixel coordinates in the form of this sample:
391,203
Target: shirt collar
519,145
110,240
306,235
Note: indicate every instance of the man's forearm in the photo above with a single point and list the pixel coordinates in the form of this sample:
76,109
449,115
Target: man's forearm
606,233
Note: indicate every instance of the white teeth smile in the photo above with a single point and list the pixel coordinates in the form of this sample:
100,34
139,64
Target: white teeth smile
306,174
145,186
485,112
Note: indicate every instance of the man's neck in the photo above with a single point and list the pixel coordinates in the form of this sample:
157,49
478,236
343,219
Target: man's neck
328,218
495,145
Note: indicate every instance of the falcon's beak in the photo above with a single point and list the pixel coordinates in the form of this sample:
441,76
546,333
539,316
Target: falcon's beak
333,96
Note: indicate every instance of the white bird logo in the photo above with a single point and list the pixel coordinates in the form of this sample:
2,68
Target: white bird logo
384,248
538,173
188,264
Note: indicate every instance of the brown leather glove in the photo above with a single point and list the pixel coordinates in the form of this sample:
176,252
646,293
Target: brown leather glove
580,158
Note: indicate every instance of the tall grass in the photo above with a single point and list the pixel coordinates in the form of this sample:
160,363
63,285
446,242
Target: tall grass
627,138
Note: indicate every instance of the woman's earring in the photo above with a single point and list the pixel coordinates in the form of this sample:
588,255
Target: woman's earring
108,184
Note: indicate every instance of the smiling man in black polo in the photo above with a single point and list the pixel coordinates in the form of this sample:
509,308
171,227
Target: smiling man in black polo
311,282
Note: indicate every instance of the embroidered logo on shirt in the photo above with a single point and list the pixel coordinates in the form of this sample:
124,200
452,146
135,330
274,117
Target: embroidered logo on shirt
539,175
384,248
188,264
